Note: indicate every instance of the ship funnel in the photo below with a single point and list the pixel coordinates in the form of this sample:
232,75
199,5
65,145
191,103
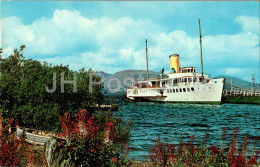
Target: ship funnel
174,63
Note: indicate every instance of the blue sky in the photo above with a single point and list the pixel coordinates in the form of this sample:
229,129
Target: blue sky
110,36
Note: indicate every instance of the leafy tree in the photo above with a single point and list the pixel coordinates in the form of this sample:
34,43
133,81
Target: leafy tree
24,97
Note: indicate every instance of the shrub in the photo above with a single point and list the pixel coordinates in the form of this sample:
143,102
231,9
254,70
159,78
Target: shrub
121,128
191,154
12,149
23,94
85,147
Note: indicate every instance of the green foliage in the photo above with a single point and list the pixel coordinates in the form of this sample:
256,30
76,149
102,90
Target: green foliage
121,127
242,99
84,146
194,154
23,94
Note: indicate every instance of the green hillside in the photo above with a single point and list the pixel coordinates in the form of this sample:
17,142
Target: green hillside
237,82
122,75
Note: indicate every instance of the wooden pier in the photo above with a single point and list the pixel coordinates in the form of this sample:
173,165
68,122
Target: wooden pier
106,107
237,91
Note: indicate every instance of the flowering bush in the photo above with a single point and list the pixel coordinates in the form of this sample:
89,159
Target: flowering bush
191,154
85,147
120,128
12,149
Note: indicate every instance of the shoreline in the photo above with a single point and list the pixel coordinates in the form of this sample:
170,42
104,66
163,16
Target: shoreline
242,99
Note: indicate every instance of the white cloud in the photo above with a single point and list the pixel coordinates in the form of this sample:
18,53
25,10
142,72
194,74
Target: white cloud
119,44
250,24
243,73
234,71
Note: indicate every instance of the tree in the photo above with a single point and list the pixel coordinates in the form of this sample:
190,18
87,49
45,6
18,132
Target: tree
23,94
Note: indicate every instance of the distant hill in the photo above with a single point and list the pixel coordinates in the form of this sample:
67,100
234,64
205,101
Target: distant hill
105,74
237,82
135,76
127,74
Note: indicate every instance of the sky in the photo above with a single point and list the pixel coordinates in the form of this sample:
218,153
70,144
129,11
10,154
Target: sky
110,36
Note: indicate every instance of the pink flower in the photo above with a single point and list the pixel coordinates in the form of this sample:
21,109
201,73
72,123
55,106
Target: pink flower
58,144
73,148
109,125
114,160
84,111
185,163
93,150
214,149
127,148
252,161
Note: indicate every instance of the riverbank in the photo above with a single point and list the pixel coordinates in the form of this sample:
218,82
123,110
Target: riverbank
241,99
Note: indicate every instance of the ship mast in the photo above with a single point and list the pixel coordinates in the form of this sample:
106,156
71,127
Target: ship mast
201,53
146,60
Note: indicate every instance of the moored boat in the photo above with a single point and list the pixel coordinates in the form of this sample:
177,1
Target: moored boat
181,85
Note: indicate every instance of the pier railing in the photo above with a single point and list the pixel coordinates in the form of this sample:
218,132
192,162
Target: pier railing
237,91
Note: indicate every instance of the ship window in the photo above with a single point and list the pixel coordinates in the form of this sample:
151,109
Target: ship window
175,81
191,70
200,79
173,91
188,70
194,79
176,90
189,79
167,90
184,90
180,90
153,83
185,79
215,81
170,91
192,89
188,89
158,84
194,70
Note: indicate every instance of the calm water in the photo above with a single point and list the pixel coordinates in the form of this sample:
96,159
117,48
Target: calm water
175,121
